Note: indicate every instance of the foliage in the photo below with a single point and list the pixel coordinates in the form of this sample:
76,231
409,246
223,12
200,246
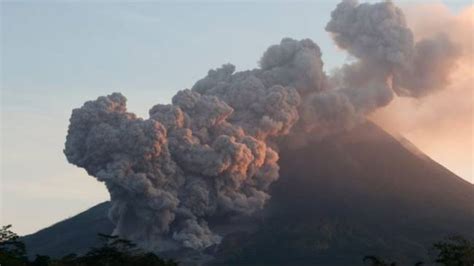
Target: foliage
117,252
113,252
455,251
12,251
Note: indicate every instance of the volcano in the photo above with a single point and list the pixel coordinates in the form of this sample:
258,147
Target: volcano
357,193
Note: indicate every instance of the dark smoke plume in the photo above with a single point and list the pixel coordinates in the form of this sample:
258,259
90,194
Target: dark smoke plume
213,151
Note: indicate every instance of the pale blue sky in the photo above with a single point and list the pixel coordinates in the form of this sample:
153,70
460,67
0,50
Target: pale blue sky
56,55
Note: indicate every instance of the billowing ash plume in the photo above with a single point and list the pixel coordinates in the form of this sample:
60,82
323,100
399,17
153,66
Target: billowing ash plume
378,36
213,150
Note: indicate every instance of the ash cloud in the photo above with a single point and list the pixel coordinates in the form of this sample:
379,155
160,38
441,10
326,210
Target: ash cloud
378,35
213,150
429,123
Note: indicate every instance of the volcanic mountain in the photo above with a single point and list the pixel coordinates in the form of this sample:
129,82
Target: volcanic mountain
357,193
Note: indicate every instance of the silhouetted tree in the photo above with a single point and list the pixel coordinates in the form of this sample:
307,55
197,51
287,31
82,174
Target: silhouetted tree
455,251
12,251
113,252
117,252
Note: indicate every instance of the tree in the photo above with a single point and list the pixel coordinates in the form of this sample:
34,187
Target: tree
455,251
117,252
12,251
114,251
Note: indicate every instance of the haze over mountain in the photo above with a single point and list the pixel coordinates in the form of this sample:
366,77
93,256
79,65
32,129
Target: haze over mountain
353,194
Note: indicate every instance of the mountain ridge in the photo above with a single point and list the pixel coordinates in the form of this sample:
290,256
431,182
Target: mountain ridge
355,193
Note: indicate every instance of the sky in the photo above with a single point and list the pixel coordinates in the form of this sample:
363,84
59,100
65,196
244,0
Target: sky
57,55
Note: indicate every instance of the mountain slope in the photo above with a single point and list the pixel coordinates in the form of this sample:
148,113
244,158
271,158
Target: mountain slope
353,194
73,235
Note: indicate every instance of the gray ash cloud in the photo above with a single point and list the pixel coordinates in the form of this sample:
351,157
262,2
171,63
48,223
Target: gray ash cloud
213,150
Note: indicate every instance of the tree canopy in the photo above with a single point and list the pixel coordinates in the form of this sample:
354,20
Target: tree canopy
114,251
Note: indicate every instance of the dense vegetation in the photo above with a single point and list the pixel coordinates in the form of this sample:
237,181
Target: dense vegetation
113,252
453,251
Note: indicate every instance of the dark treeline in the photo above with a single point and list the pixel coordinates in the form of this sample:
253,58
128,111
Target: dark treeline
113,252
452,251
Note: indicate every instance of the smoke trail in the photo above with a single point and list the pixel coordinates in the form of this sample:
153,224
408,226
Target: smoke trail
213,150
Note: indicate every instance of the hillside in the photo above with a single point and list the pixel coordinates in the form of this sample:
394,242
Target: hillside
73,235
353,195
337,200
